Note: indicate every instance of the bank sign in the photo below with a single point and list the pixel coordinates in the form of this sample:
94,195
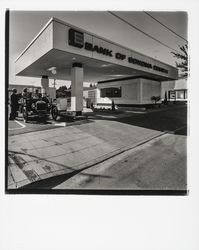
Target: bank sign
76,39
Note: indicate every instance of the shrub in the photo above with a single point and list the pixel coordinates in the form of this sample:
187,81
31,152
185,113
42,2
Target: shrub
155,99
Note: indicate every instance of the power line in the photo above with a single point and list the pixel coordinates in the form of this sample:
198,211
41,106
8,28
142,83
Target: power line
142,31
165,26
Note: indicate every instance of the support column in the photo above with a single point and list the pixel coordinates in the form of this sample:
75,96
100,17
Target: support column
77,77
44,86
140,91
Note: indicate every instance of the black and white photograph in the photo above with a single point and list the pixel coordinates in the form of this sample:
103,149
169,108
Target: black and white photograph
99,125
97,101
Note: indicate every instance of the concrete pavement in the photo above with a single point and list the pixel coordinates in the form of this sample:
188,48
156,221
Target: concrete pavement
160,164
42,154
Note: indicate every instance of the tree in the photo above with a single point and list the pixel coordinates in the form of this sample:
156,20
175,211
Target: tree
183,65
61,91
62,88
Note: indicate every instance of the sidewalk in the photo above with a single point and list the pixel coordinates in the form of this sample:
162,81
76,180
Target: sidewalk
39,155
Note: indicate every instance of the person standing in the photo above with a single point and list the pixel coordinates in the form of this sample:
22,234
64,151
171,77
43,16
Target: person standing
113,105
25,93
36,95
14,104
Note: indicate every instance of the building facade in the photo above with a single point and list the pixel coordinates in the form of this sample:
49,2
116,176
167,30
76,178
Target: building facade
66,52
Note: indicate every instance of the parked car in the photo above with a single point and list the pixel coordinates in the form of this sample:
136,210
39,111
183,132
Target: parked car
31,107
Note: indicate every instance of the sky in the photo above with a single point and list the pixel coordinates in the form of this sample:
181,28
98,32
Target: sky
25,25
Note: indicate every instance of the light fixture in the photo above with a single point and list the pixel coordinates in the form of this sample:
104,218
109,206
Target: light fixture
105,65
52,68
118,75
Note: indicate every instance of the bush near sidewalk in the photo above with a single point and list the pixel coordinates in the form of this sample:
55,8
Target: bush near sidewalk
155,99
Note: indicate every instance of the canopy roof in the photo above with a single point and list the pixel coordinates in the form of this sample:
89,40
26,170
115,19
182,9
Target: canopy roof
57,47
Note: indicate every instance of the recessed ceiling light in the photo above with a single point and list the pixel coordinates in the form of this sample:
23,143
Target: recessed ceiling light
119,75
105,65
52,68
74,58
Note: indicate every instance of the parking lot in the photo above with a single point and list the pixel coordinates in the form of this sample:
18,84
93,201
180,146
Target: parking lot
19,126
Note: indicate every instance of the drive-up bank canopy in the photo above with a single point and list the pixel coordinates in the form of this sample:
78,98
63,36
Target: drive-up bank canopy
77,55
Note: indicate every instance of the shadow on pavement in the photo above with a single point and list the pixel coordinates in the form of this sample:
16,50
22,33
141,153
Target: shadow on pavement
173,120
54,181
158,121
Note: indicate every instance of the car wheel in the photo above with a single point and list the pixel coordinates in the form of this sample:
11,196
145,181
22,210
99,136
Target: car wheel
54,113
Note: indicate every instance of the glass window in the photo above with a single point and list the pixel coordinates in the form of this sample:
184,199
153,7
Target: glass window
185,94
180,94
111,92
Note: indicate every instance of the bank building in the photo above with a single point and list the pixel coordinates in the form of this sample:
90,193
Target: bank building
120,74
